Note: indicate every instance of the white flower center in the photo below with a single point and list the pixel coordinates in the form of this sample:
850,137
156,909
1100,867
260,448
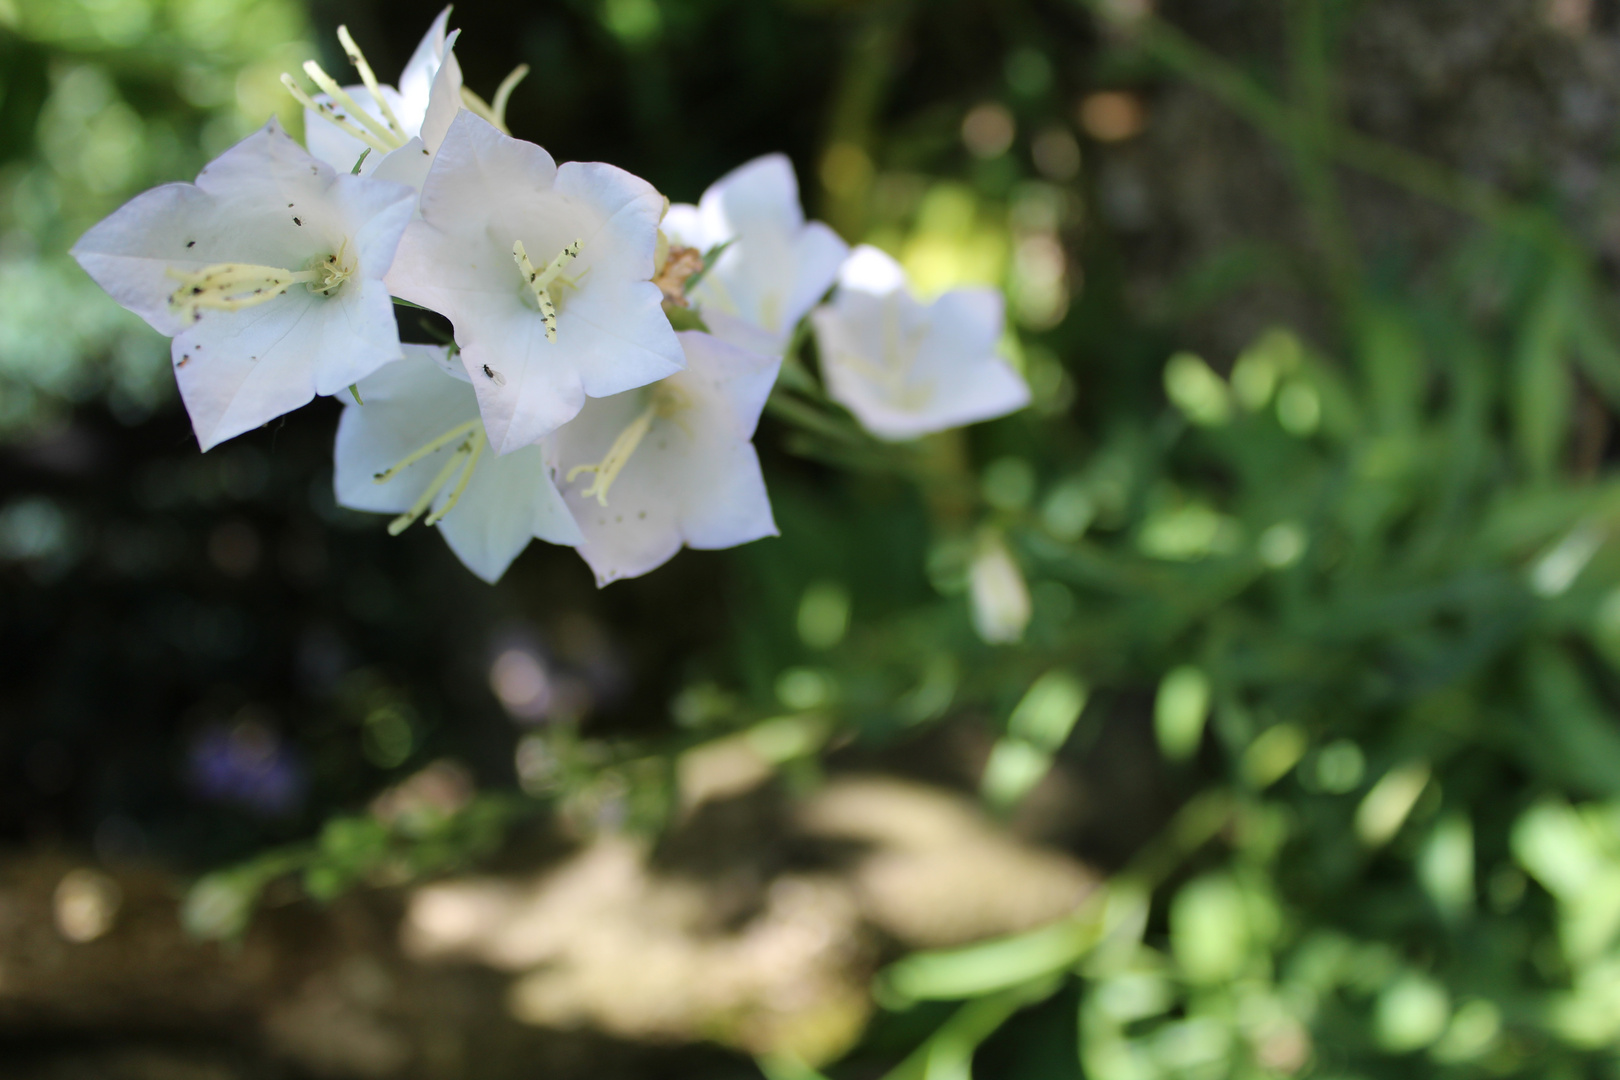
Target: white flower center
469,440
382,134
895,370
234,286
666,401
541,282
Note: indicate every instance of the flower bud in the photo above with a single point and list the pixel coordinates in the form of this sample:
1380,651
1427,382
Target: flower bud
1000,596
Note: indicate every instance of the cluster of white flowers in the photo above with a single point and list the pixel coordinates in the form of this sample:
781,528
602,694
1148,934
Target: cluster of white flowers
568,408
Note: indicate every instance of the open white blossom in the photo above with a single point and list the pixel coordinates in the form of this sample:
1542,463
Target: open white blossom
267,272
669,464
905,368
394,131
776,266
417,447
545,272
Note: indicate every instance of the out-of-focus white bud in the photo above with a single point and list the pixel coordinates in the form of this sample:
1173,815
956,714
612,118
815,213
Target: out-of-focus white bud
1000,596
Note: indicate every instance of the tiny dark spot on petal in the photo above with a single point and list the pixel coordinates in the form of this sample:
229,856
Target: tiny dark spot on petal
191,243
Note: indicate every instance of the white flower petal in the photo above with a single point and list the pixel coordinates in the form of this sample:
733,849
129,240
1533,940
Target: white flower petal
906,370
444,99
485,191
683,225
239,370
233,213
818,254
625,209
416,81
406,404
266,202
507,502
871,270
694,478
337,147
759,196
408,165
776,267
129,252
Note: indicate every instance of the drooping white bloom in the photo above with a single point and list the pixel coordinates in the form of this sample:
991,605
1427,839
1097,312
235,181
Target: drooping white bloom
395,131
545,271
905,368
776,265
417,447
669,464
267,272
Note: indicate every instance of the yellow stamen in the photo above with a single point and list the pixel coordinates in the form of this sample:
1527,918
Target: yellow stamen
403,522
503,94
234,286
618,456
369,77
478,106
479,440
423,451
540,281
465,457
327,111
666,401
392,140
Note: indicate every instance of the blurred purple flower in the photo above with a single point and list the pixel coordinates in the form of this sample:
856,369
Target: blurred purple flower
246,764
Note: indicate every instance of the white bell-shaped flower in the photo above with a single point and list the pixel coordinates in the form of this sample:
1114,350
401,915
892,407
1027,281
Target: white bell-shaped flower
395,132
545,272
905,368
776,266
267,272
669,464
417,447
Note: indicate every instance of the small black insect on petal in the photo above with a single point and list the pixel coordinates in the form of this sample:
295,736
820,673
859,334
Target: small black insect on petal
191,243
298,221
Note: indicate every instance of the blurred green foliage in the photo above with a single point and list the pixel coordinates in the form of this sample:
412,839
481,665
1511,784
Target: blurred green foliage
1355,584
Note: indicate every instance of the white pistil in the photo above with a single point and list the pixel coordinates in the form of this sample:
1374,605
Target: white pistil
540,281
666,402
383,135
465,457
235,286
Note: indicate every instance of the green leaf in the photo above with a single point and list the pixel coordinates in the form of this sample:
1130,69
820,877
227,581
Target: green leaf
1542,393
685,318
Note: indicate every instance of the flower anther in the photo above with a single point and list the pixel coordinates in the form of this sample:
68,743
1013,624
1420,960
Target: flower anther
235,286
382,134
539,282
469,440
